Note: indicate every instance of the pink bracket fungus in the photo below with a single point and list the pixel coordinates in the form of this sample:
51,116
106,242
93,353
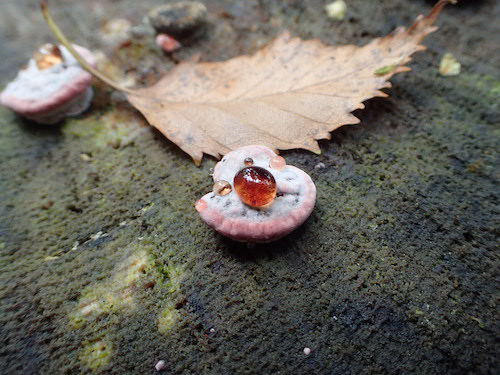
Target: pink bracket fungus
167,43
51,87
257,197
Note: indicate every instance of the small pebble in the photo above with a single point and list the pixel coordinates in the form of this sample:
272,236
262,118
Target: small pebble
320,165
307,351
160,365
180,19
336,10
449,65
85,157
212,330
143,29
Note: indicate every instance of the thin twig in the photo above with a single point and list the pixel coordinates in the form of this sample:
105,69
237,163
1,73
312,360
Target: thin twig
66,43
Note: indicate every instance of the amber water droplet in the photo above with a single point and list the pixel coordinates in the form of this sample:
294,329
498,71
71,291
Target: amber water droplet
248,162
222,187
255,186
278,163
48,56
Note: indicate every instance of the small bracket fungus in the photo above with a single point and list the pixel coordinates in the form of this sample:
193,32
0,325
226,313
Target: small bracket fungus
167,43
257,197
51,87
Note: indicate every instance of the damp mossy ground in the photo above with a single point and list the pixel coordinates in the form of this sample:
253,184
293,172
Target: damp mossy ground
106,267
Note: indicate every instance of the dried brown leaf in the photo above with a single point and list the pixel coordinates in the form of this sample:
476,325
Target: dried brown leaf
287,95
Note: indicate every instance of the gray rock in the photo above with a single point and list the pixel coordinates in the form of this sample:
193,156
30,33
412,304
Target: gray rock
182,19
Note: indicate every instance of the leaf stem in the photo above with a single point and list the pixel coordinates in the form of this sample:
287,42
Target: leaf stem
66,43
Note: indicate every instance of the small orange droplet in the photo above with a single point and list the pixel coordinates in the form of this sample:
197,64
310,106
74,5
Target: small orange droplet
248,162
48,56
200,205
255,186
278,163
222,187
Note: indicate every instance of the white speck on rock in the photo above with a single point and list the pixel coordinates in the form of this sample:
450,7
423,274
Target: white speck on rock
85,157
160,365
336,10
90,308
320,165
212,330
449,65
51,257
307,351
98,235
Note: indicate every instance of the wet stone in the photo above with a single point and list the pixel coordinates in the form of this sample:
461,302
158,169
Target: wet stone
182,19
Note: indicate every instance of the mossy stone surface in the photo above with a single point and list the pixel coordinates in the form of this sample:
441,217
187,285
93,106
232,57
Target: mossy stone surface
106,267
